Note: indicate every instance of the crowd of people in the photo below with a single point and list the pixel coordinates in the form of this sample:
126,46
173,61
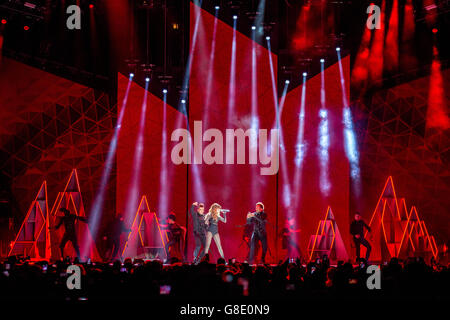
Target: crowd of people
138,279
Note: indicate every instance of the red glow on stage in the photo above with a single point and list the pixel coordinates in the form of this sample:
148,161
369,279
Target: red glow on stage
91,6
26,28
4,21
435,30
437,116
309,28
391,46
408,59
375,62
360,69
408,23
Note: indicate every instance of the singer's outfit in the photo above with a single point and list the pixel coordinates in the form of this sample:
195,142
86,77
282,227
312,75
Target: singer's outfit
213,232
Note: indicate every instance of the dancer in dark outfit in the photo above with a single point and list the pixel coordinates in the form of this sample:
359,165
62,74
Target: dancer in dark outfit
357,230
212,221
259,220
288,239
199,228
175,233
116,228
69,234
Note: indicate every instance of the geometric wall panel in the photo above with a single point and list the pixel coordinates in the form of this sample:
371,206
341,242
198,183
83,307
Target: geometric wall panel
394,141
72,200
327,240
416,241
32,240
145,237
50,126
386,225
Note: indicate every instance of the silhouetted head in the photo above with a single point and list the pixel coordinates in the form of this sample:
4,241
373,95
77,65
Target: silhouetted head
171,218
259,207
201,208
357,216
290,221
64,211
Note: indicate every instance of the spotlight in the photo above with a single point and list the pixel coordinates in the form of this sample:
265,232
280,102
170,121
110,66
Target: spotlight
26,28
235,17
147,79
267,38
183,101
131,75
338,49
305,74
4,21
253,28
434,30
287,81
322,60
164,90
217,7
91,6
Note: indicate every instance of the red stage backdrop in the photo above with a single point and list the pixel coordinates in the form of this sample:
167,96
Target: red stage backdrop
237,186
312,204
151,186
50,126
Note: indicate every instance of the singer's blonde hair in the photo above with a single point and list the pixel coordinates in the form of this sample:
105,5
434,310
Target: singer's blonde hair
213,212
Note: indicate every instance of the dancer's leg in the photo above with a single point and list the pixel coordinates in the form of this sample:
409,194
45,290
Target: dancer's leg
208,241
219,246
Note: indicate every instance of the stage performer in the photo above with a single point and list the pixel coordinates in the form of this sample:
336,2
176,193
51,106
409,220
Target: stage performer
288,241
357,230
259,220
212,222
199,228
70,234
116,228
175,234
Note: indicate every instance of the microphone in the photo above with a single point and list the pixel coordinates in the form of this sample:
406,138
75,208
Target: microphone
224,210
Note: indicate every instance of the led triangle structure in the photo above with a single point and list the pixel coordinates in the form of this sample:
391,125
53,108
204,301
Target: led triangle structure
33,237
145,237
386,224
72,200
327,240
416,240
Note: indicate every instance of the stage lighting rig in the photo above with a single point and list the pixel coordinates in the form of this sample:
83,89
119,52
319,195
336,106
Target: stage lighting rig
150,4
132,65
148,70
235,4
287,72
304,64
268,28
432,10
31,9
338,39
165,80
322,49
252,16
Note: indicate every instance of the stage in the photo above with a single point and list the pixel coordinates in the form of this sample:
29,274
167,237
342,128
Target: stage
139,137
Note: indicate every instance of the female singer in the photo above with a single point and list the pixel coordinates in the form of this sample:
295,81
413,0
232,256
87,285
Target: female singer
212,224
